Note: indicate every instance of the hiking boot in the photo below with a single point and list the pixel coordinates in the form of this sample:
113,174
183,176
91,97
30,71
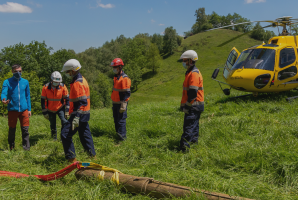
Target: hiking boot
54,135
11,146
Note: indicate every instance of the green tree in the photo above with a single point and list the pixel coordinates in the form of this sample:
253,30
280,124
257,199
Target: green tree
134,71
294,29
100,91
134,56
260,34
179,40
158,40
202,21
153,58
170,40
35,57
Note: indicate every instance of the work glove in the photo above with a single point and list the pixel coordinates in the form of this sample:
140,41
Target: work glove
185,110
123,107
75,123
46,116
66,115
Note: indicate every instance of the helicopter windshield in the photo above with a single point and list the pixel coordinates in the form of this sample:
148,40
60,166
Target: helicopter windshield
256,59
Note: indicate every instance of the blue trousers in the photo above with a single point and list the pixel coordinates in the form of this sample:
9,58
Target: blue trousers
52,119
120,121
190,129
85,138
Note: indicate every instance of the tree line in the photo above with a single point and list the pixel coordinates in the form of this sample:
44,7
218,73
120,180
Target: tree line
141,55
204,22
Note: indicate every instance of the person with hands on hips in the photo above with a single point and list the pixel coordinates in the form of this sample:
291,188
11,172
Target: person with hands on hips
120,97
16,95
55,101
79,98
192,103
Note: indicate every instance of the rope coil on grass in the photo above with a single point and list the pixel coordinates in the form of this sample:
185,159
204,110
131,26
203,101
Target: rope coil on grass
115,177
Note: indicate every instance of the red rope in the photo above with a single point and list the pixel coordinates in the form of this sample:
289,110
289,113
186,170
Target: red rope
49,177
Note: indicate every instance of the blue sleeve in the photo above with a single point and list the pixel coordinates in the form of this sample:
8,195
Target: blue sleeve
77,105
124,95
28,97
4,90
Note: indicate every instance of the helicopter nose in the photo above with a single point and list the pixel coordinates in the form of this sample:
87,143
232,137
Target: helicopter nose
249,79
239,79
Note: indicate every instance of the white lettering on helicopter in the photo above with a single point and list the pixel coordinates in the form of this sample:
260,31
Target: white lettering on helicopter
237,77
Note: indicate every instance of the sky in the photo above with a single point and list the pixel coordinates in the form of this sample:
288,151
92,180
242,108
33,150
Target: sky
81,24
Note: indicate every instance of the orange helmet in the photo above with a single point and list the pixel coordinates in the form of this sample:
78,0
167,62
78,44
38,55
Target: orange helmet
117,62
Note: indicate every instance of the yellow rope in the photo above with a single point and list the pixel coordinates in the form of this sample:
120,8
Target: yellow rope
115,177
101,175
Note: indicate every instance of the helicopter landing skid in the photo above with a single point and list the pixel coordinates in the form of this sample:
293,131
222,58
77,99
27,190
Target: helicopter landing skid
289,99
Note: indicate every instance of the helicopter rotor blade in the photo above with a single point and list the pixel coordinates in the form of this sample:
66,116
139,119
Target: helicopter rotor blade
269,21
222,44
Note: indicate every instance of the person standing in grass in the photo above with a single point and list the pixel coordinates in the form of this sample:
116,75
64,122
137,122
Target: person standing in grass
79,97
192,103
120,97
55,101
16,95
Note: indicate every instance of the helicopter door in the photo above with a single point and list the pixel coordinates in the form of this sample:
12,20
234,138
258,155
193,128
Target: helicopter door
287,72
233,56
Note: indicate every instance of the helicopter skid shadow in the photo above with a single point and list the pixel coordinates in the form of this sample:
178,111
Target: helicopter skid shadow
261,97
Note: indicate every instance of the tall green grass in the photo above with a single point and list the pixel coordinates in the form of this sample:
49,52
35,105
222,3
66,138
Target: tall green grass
247,147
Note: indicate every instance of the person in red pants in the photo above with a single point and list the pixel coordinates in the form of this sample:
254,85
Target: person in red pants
16,95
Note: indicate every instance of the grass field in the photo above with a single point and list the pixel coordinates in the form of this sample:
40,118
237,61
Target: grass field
247,147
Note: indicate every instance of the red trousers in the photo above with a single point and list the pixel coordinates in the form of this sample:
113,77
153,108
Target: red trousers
13,118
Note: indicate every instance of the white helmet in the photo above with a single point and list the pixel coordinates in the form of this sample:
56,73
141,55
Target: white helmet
71,64
56,77
190,54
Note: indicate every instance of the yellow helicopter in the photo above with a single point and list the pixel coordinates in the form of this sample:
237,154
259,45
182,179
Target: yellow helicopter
265,68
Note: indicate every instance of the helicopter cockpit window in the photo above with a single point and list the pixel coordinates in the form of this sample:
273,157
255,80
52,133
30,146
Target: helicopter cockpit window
287,57
256,59
231,59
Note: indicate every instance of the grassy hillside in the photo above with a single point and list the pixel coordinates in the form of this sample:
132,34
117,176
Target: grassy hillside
167,83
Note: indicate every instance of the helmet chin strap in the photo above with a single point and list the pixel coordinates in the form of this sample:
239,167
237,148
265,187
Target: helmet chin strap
120,69
190,64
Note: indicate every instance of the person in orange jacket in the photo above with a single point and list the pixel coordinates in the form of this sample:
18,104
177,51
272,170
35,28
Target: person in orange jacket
120,97
192,103
79,97
55,101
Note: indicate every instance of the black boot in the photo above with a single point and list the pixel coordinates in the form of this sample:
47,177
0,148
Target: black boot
25,138
11,137
11,146
54,135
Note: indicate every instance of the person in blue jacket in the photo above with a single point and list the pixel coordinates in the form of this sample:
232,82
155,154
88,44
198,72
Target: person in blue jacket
16,95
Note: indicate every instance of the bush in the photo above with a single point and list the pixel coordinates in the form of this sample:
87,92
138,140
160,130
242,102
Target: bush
100,91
